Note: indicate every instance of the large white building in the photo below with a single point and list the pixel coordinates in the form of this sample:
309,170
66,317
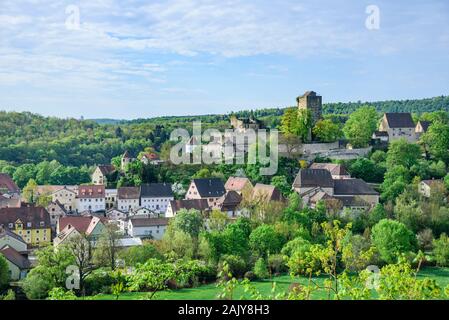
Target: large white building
91,198
156,196
128,198
147,227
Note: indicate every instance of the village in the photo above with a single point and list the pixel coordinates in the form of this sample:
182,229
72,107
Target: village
143,212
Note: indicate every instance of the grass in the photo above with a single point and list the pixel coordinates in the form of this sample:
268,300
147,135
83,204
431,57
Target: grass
210,291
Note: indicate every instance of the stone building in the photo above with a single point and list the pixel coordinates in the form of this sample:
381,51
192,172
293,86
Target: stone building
312,102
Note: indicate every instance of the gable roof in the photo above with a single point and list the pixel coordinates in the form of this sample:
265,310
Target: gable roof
33,215
106,169
197,204
148,222
269,192
128,193
309,178
7,233
400,120
334,169
86,192
8,184
15,257
208,188
83,224
353,187
156,190
57,204
236,183
425,125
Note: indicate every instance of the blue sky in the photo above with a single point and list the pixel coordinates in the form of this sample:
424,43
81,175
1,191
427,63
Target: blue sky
132,58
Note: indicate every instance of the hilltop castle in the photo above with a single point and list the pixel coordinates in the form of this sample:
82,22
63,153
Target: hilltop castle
312,102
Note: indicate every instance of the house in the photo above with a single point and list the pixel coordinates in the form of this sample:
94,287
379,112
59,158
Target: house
128,198
126,160
91,198
337,171
398,125
245,124
176,205
151,158
18,264
381,136
65,196
314,185
147,227
426,186
111,198
242,186
144,211
30,223
9,192
422,127
156,196
9,238
56,211
101,174
116,214
69,227
209,189
230,204
266,193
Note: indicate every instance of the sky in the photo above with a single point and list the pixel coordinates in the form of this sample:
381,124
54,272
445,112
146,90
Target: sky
127,59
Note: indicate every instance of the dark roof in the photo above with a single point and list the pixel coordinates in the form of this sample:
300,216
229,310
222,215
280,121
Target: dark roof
128,193
353,187
313,178
15,257
7,184
156,190
381,133
97,191
106,169
425,125
208,188
197,204
400,120
35,215
148,222
334,169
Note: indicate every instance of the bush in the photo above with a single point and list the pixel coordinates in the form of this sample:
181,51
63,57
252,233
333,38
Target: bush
250,275
264,239
237,266
261,269
100,281
441,250
276,263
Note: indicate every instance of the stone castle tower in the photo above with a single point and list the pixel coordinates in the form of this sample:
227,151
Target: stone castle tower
312,102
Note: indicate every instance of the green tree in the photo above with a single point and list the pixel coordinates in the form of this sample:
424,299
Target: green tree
261,269
392,239
360,126
30,191
4,273
403,153
327,131
441,250
265,240
437,140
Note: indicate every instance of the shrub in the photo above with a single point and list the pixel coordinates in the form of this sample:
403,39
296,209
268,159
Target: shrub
441,250
261,269
276,263
237,266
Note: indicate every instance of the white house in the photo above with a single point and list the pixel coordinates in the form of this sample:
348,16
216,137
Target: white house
111,198
144,227
65,196
91,198
156,196
128,198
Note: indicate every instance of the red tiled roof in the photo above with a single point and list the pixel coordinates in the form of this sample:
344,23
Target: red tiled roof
8,184
91,192
80,223
236,183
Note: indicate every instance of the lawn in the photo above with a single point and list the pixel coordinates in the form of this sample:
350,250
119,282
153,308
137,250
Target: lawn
210,291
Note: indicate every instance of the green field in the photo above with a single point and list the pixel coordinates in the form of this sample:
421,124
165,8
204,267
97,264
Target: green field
210,291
